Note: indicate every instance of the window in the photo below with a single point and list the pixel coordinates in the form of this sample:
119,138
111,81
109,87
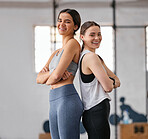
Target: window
44,45
106,49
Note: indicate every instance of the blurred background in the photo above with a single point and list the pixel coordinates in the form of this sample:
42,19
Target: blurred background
28,36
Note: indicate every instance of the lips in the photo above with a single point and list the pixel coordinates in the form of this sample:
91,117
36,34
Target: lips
62,29
95,42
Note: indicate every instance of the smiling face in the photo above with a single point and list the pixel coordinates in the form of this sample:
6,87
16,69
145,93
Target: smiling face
92,38
65,24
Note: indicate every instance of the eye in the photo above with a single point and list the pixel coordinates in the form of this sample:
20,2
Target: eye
67,21
59,20
99,34
91,35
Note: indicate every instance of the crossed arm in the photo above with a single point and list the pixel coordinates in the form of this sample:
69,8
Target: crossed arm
97,66
44,77
70,50
112,75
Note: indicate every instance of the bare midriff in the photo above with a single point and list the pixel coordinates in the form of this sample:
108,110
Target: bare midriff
63,82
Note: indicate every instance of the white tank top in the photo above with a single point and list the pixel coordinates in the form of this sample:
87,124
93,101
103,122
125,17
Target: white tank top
91,93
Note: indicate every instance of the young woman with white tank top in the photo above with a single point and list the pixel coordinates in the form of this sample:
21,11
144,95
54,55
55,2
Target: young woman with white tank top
66,107
96,81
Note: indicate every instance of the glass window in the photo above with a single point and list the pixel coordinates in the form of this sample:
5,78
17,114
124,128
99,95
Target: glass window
44,45
106,49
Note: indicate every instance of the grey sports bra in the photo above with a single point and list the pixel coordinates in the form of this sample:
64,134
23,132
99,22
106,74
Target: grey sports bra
55,61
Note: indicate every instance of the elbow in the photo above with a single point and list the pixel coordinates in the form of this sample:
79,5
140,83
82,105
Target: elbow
53,79
38,81
56,77
108,88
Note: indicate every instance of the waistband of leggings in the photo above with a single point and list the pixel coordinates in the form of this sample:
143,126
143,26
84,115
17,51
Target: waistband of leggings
103,102
62,91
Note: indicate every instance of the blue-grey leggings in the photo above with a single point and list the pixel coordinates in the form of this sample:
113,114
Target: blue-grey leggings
65,112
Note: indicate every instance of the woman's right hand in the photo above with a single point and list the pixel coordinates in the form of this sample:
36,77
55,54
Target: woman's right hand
66,75
117,83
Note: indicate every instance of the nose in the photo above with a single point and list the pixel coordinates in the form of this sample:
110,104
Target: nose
62,23
97,37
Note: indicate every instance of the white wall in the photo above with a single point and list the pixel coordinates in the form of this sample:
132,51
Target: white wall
131,56
24,104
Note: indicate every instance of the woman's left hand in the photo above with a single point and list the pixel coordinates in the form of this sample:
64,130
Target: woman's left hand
45,69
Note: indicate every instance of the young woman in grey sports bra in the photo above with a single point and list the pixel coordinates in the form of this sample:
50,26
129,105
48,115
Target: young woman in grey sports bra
65,105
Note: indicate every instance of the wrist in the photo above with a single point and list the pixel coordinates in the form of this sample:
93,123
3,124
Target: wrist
113,80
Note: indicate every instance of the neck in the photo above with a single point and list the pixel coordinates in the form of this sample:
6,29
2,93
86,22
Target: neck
90,49
65,39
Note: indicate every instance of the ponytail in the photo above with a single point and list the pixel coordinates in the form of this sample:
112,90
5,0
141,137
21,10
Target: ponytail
82,47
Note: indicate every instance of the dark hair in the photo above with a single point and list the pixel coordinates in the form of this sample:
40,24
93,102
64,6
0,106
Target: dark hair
85,26
75,16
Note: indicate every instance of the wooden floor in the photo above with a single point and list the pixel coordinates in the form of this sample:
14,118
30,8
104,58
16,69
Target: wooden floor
44,136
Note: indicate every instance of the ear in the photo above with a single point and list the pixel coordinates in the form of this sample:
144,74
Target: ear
75,27
82,37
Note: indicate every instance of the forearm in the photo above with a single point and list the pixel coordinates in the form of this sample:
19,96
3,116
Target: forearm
112,75
107,85
42,77
53,78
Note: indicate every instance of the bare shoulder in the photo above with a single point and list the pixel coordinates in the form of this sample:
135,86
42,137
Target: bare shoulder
52,55
73,44
92,58
54,52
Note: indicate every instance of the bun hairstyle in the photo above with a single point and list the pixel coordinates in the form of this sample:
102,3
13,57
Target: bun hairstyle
85,26
75,16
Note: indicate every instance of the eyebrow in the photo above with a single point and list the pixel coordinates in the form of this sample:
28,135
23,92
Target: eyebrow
65,19
95,33
92,33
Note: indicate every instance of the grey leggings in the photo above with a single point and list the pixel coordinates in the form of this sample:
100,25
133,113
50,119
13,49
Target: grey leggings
65,112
